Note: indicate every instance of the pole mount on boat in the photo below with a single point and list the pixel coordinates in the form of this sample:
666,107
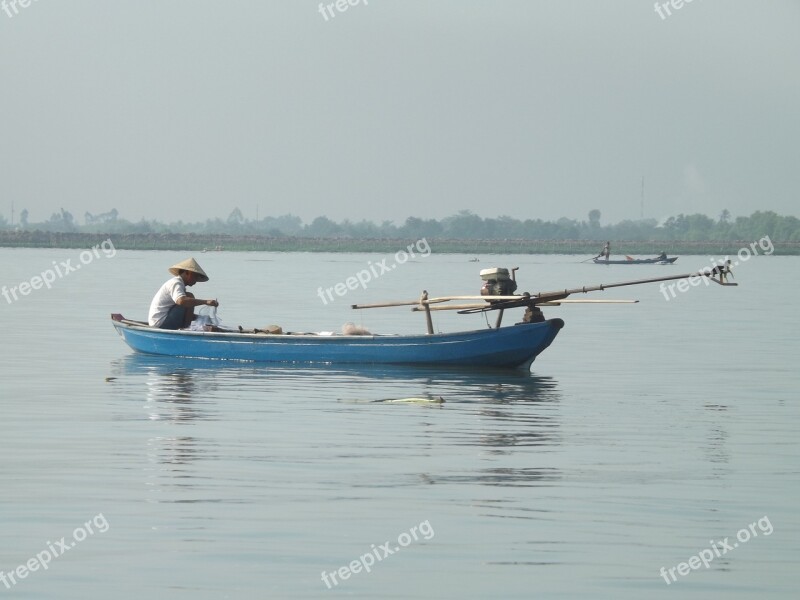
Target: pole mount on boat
718,274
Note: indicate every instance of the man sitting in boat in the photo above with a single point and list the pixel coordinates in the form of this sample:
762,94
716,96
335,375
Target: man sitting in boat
662,256
172,306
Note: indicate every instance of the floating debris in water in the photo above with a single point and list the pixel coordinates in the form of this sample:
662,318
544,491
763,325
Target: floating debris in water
437,400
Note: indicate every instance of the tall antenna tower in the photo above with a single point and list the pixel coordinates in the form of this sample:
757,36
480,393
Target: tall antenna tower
642,204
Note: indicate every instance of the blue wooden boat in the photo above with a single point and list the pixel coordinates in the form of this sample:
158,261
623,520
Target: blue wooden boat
513,346
508,347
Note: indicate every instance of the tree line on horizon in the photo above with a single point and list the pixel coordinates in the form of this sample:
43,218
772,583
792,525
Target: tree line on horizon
463,225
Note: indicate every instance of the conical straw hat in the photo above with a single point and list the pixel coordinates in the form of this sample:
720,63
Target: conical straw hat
189,264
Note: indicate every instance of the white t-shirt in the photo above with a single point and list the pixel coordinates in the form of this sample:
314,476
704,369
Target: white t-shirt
166,297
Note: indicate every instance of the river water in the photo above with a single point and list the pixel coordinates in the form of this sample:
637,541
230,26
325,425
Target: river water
645,435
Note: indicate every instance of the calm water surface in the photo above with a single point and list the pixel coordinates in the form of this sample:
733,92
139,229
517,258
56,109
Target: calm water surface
644,433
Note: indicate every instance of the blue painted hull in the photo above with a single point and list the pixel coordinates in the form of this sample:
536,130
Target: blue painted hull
514,346
636,261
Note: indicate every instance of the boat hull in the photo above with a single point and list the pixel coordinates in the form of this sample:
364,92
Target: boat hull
636,261
514,346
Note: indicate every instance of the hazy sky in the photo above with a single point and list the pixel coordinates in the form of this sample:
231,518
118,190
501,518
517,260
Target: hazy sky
186,109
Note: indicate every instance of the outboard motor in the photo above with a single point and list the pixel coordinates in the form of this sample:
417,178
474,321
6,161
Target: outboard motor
497,282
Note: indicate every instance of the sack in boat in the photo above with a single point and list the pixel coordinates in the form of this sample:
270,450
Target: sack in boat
353,329
271,330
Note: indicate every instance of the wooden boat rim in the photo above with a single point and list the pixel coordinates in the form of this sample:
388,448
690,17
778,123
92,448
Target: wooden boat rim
231,333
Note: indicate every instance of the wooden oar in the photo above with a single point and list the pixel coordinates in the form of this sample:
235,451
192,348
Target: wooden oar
585,301
409,303
487,298
449,307
437,300
556,303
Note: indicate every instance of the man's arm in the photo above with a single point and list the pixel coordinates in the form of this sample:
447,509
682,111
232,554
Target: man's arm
191,302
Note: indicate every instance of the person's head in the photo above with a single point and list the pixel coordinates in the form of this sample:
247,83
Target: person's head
189,277
189,271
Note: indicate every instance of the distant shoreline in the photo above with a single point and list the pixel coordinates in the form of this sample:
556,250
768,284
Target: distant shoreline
250,243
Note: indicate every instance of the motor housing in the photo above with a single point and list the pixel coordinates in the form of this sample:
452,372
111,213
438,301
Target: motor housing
497,282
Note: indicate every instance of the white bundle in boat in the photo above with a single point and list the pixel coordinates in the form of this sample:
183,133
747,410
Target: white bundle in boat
207,315
353,329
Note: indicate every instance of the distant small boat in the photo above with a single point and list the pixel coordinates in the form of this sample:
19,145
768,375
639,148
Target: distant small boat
636,261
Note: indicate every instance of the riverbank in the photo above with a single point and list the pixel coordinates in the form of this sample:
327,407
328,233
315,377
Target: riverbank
211,242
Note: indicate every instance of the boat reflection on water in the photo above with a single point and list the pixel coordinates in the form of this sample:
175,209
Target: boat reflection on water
170,391
513,417
171,387
489,414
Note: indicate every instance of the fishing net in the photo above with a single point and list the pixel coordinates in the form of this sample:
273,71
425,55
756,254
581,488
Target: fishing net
206,316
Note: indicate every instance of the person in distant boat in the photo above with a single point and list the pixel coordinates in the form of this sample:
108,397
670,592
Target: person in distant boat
662,256
606,251
172,306
723,271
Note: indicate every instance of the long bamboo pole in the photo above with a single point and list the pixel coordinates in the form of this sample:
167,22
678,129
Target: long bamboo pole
555,296
542,298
